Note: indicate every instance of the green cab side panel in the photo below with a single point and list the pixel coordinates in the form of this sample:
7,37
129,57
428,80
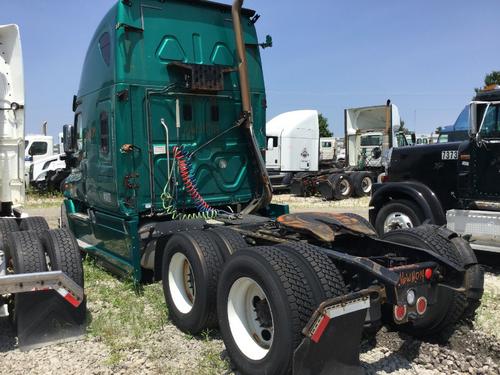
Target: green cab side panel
112,239
127,74
133,108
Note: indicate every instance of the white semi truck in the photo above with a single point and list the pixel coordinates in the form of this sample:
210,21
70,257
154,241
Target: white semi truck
44,165
298,159
41,273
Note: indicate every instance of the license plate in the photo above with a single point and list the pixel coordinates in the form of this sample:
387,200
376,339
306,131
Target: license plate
449,155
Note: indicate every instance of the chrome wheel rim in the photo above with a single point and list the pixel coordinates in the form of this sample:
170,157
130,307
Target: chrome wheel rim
366,185
397,220
345,187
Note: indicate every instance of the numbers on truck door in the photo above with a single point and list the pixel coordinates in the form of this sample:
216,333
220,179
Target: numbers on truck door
449,155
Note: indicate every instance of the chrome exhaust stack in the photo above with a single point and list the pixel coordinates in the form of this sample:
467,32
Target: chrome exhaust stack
246,102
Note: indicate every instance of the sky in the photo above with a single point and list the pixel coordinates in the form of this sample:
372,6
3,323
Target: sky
427,56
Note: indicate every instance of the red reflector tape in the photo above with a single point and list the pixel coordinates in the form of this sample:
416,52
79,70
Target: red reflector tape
68,297
320,329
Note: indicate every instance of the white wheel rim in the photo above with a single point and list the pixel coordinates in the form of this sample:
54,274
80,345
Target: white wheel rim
181,283
397,220
345,188
366,185
252,330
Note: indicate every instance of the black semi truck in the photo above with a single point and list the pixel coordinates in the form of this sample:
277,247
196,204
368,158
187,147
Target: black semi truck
456,183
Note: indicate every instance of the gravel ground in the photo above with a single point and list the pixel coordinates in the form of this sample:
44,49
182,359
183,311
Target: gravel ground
129,331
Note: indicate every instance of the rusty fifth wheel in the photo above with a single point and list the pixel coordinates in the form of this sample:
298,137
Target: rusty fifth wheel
190,271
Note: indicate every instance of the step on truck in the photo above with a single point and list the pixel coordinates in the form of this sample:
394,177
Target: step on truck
168,183
370,132
41,275
456,184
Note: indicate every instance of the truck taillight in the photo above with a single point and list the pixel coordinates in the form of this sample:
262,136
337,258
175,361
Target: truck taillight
399,312
465,157
428,273
421,305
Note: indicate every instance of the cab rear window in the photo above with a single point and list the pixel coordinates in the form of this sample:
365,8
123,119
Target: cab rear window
38,148
105,47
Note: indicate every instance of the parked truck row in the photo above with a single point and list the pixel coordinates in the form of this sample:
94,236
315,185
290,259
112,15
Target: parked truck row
167,182
298,160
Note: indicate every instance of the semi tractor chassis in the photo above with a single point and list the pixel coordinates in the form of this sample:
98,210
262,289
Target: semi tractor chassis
295,294
334,183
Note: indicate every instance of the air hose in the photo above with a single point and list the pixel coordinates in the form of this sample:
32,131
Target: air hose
182,158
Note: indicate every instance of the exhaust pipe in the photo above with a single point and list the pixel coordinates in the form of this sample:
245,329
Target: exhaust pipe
387,137
246,102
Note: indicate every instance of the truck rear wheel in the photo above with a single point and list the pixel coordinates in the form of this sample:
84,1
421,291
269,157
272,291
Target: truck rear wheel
26,253
228,240
474,276
450,305
362,184
7,225
336,186
263,301
324,275
190,272
34,223
398,214
342,186
64,254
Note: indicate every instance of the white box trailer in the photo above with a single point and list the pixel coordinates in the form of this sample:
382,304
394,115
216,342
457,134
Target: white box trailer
49,306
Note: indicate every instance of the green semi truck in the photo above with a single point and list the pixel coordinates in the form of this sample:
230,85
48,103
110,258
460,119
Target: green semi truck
168,183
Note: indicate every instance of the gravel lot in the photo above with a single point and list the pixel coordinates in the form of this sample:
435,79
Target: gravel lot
129,331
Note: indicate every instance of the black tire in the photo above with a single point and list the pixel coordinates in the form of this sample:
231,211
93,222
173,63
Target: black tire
27,255
474,276
228,241
403,206
299,184
341,185
37,224
291,306
287,179
362,183
450,305
7,225
63,252
26,252
321,273
205,262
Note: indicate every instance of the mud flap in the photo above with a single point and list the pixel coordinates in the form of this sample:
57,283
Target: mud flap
333,336
45,317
